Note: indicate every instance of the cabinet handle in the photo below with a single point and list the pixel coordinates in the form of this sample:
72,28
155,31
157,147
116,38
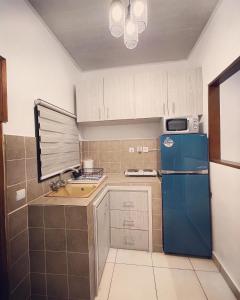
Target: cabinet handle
128,204
128,223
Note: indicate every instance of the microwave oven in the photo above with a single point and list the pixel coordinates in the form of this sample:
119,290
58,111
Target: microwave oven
178,125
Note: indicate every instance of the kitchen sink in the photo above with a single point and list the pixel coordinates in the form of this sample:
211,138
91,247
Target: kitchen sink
74,191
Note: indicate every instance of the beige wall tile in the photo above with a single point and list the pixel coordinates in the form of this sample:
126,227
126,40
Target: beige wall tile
54,216
17,222
57,286
34,189
15,170
37,261
79,287
56,262
18,271
14,147
38,284
30,147
18,246
31,168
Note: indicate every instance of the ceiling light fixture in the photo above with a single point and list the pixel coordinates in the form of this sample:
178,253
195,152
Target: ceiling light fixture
131,23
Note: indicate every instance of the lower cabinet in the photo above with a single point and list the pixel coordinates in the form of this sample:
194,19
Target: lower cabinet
129,216
102,227
129,239
122,219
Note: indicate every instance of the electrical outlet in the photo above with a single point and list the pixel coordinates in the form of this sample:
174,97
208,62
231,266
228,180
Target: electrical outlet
21,194
139,149
145,149
131,150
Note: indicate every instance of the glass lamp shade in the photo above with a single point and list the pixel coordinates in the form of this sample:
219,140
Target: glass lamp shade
130,31
140,14
116,18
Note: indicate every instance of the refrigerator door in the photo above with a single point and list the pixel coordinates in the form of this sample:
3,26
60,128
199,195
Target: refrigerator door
186,215
184,152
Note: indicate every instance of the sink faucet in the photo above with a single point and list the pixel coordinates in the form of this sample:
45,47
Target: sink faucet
55,186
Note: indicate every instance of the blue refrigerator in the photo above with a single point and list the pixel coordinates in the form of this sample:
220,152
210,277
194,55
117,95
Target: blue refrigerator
186,195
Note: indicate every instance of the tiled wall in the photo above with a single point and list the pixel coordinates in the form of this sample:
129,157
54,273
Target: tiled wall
21,173
61,252
114,156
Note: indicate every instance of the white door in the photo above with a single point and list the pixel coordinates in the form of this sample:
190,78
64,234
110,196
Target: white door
89,94
151,94
119,99
103,233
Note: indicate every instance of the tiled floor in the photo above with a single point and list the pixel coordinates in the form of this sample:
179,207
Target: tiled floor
138,275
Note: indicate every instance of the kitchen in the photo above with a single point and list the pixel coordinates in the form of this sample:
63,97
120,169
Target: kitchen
113,103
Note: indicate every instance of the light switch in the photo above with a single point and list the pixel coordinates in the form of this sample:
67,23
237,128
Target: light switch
131,149
21,194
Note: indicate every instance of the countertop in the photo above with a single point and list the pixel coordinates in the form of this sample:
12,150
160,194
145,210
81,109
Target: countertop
111,179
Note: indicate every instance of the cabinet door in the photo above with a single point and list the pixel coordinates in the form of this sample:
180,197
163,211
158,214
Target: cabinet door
194,94
90,100
151,94
103,234
185,92
119,100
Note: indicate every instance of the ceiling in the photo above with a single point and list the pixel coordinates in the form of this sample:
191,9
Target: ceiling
82,27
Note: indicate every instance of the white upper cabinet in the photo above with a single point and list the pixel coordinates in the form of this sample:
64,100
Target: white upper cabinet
151,94
143,95
185,92
89,95
119,97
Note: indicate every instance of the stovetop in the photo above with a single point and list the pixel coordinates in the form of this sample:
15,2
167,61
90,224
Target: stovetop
141,172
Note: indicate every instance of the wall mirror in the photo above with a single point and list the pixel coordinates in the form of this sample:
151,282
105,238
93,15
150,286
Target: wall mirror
224,117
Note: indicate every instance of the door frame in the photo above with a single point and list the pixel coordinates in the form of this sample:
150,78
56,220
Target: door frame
4,291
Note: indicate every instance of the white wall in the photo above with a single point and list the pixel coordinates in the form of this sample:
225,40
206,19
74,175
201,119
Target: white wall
230,118
217,48
138,129
37,66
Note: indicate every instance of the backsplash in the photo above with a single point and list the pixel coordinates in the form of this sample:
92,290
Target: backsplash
114,156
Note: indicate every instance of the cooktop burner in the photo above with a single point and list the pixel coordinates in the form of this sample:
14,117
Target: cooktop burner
138,172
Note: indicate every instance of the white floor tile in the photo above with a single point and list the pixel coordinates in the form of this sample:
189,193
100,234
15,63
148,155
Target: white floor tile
174,284
215,286
104,286
201,264
112,255
132,257
132,283
171,261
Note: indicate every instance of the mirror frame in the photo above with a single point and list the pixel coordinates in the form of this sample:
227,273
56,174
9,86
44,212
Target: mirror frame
214,116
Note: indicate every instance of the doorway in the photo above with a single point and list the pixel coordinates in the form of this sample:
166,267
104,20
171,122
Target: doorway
3,246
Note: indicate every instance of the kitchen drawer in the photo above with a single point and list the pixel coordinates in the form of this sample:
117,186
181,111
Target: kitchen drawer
129,239
129,200
129,219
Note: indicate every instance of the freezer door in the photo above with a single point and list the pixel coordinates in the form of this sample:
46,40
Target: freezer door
186,215
184,152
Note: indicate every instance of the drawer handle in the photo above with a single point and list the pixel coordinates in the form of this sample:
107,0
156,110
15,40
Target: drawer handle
128,204
128,223
128,242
